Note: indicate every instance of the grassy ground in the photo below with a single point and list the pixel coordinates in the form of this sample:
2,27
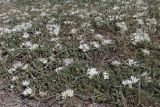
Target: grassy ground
106,52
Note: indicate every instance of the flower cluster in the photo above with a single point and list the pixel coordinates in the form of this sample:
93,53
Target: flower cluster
130,81
67,93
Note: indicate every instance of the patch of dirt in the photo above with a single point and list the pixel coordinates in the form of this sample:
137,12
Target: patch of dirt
12,99
8,99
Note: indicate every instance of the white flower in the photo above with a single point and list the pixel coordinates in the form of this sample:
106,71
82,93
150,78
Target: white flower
92,30
23,26
27,91
134,79
107,42
139,14
139,36
68,61
25,83
42,93
67,93
43,60
29,45
122,26
11,50
131,81
11,87
24,67
14,78
151,21
81,16
95,44
68,22
5,30
73,31
75,12
17,64
106,75
49,27
116,8
37,32
98,19
84,47
148,79
145,51
33,47
58,46
139,2
54,39
10,71
25,35
144,74
52,57
98,37
126,82
140,21
92,72
131,62
116,63
43,14
59,69
56,29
